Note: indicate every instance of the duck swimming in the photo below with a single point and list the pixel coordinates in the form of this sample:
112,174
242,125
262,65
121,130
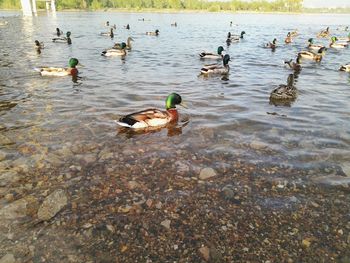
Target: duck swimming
108,34
63,39
345,67
38,46
285,92
324,33
219,55
333,43
294,33
60,72
288,39
58,32
155,33
128,44
272,45
153,117
313,46
234,38
313,56
296,66
115,52
217,69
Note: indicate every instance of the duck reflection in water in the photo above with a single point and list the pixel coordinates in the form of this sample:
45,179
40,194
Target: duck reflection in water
173,129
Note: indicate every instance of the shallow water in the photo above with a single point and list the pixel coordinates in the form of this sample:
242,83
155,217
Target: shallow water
312,132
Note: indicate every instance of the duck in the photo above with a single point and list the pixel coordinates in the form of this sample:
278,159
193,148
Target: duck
108,34
174,24
296,66
219,55
234,38
288,39
153,117
58,32
217,69
65,39
272,44
310,55
115,52
313,46
345,67
285,92
294,33
127,46
324,33
127,27
60,72
38,45
155,33
333,43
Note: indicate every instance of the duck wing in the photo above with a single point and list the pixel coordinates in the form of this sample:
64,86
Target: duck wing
145,118
203,54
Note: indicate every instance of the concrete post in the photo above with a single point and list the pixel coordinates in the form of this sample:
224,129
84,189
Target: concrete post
47,6
34,8
26,8
53,6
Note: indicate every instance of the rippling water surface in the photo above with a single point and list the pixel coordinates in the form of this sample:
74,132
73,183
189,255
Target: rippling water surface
41,116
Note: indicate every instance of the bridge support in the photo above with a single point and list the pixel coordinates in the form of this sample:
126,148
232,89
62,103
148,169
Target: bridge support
29,6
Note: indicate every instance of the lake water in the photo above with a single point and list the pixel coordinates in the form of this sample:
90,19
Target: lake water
58,134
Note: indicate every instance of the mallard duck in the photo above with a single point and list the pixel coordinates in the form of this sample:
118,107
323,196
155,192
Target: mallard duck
345,67
324,33
63,39
217,69
174,24
60,72
313,46
285,92
58,32
127,46
234,38
333,43
288,39
155,33
127,27
38,46
296,66
294,33
206,55
310,55
108,34
107,23
272,44
153,117
115,52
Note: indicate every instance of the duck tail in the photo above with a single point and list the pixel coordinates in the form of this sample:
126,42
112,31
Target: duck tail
202,55
342,68
103,53
123,124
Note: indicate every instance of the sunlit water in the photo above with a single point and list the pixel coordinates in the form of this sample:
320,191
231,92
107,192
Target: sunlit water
228,117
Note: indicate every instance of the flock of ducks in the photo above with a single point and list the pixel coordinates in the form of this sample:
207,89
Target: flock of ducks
157,118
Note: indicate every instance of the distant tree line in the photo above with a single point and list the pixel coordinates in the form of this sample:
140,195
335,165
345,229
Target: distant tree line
214,6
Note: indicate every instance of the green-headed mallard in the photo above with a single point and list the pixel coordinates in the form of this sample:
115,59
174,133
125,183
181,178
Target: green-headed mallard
310,55
334,44
324,33
296,66
155,33
108,34
217,69
115,52
66,39
345,67
153,117
128,44
206,55
285,92
60,72
313,46
272,44
234,38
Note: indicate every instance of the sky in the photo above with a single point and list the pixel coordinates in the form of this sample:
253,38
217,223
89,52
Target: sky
327,3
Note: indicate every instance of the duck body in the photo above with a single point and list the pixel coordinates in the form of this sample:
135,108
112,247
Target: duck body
324,33
60,72
235,38
155,33
345,68
285,92
65,39
217,69
313,56
128,45
153,117
114,52
207,55
313,46
108,34
272,44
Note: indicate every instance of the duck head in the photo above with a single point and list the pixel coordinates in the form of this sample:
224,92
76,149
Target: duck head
172,100
229,35
333,39
123,45
226,59
288,34
274,41
73,62
220,49
37,43
311,40
242,34
157,32
68,34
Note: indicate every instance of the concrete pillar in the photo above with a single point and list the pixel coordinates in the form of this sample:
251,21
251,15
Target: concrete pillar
47,6
26,8
53,6
34,8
